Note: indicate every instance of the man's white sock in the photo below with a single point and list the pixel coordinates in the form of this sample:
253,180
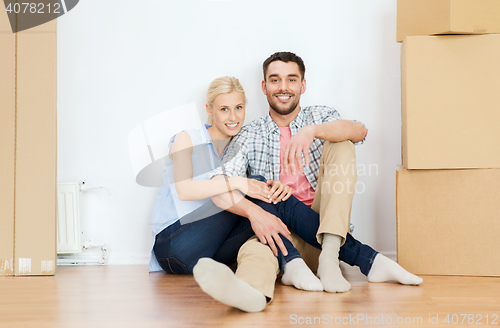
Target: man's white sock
328,269
218,281
298,274
384,269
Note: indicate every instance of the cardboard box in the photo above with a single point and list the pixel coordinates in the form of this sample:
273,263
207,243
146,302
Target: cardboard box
448,221
7,149
35,211
28,153
450,104
432,17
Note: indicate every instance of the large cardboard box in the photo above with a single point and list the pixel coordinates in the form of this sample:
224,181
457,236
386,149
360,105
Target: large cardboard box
448,221
35,210
28,153
450,101
7,150
431,17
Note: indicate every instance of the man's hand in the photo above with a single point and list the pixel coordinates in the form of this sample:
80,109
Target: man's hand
279,191
336,131
267,227
299,144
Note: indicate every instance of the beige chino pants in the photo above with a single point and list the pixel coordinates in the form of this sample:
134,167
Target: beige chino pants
337,179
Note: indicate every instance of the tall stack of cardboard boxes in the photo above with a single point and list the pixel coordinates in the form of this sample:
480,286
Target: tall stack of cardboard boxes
27,149
448,193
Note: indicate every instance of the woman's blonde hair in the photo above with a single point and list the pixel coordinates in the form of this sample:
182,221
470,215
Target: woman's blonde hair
221,85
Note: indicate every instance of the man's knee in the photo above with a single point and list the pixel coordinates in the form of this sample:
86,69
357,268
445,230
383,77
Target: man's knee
342,148
256,250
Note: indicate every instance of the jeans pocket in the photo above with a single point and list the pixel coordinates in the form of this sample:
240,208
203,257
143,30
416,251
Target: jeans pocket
173,265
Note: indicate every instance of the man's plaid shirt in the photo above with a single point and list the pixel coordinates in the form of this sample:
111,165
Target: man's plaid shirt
256,148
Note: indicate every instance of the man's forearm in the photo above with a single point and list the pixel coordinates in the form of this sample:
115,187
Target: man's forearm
340,130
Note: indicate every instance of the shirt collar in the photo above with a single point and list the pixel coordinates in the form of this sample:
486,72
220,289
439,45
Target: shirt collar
270,124
205,136
298,122
208,140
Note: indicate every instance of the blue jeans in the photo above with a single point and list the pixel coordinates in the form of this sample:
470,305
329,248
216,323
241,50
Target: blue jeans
220,235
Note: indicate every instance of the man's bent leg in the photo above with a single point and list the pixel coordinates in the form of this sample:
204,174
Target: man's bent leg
258,266
337,179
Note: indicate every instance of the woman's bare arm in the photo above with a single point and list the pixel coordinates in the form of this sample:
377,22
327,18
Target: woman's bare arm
189,189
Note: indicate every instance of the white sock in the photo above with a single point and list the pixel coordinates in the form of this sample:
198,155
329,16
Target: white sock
218,281
298,274
328,269
384,269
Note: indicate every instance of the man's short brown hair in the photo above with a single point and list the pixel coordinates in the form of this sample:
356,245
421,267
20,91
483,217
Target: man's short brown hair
285,57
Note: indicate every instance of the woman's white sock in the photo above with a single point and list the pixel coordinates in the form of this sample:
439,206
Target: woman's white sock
298,274
328,269
384,269
218,281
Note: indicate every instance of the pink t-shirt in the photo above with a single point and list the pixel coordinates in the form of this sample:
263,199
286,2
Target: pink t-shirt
302,189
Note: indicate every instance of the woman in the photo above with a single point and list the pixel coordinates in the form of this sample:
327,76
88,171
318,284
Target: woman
188,226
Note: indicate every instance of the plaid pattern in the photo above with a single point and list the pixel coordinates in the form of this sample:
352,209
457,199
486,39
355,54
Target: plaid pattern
256,148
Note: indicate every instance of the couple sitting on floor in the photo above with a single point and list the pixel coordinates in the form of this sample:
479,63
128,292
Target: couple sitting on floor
294,156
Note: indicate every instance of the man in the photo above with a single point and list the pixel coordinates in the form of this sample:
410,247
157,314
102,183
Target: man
310,149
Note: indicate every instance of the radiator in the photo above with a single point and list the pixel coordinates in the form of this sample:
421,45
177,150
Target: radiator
68,218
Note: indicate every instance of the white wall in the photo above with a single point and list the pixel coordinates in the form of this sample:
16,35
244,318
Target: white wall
122,61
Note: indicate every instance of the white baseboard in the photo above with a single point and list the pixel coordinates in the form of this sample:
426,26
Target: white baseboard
79,260
126,259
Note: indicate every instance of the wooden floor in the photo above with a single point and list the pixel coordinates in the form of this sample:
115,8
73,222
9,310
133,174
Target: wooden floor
127,296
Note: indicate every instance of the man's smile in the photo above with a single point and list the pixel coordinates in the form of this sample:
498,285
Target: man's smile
284,98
